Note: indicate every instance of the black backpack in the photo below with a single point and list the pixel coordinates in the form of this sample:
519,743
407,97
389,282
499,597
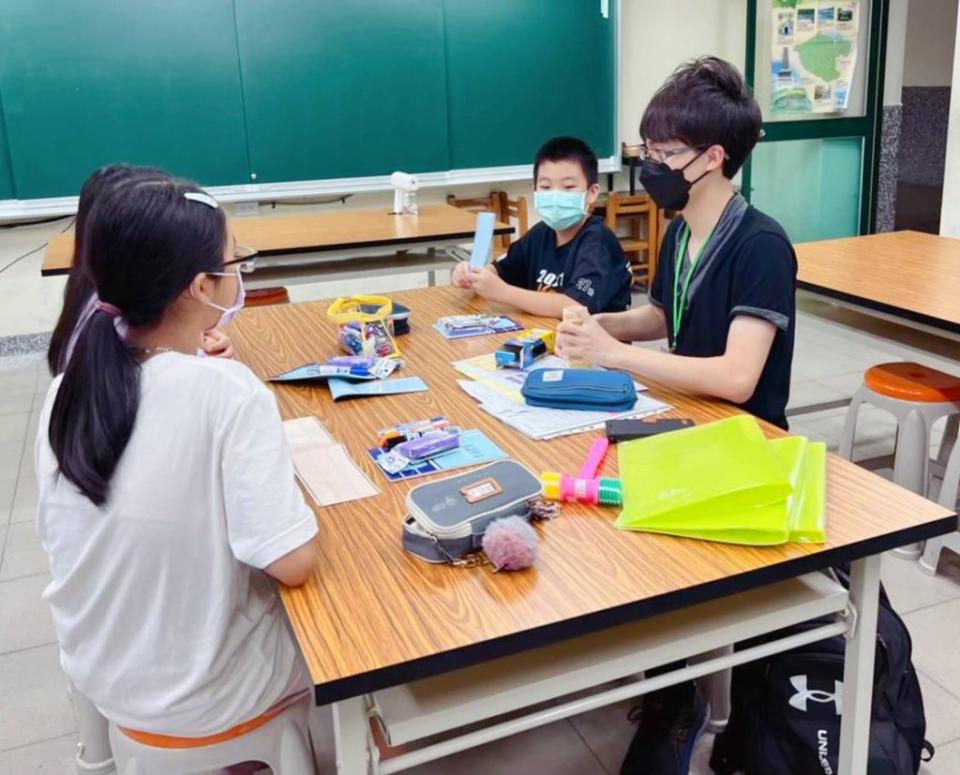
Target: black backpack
785,709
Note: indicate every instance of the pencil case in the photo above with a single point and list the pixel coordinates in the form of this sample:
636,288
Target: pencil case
447,518
584,389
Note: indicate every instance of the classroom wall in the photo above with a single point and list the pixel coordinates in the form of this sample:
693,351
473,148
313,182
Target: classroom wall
895,64
950,211
930,42
927,75
657,36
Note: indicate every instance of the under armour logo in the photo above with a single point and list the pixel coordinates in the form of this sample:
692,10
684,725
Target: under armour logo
805,695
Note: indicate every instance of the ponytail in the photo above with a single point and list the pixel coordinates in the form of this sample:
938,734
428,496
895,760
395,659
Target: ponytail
96,406
144,243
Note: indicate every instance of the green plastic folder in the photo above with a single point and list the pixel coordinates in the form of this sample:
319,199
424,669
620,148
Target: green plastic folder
806,462
725,482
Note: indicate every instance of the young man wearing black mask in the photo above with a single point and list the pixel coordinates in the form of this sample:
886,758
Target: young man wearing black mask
724,292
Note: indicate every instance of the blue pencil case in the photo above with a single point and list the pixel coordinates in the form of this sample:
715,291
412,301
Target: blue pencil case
584,389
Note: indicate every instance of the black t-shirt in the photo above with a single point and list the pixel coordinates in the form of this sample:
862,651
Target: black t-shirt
753,273
591,268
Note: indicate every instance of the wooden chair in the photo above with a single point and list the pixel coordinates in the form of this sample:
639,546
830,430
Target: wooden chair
483,204
642,243
490,204
512,208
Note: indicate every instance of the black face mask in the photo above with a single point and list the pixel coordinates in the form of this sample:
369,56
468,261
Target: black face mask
668,188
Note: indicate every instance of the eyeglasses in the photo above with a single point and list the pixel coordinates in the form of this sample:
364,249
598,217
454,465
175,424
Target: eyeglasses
244,258
660,155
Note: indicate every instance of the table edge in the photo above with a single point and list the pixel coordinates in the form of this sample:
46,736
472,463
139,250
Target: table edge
879,306
452,236
455,659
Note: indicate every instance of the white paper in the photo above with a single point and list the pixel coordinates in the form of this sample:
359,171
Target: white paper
324,467
542,423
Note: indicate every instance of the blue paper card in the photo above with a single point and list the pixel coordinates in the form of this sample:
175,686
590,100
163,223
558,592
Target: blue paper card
491,324
341,389
475,448
482,240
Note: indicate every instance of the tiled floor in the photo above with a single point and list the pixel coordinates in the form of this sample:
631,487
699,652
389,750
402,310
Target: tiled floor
37,729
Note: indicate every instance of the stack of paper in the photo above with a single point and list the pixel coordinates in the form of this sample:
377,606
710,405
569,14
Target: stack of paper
323,466
498,391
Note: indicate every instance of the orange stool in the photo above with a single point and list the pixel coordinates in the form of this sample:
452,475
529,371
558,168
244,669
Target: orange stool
917,396
259,297
278,738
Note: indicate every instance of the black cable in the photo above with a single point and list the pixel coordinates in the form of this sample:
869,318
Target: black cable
18,259
304,202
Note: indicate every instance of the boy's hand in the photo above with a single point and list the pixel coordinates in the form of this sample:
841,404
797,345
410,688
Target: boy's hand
587,340
460,276
488,284
216,344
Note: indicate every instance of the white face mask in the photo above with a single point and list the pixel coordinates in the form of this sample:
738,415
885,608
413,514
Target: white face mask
229,313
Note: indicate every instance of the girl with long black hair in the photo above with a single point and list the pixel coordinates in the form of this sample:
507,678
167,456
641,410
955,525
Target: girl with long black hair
166,491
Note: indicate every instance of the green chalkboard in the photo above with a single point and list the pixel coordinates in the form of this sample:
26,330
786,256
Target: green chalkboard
7,190
343,89
232,92
522,71
86,82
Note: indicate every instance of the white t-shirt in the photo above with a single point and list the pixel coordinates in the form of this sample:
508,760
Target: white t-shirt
163,619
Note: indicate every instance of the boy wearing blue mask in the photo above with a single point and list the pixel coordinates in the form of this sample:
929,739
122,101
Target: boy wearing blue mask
570,257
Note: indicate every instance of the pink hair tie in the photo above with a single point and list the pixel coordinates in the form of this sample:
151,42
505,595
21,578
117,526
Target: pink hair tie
107,308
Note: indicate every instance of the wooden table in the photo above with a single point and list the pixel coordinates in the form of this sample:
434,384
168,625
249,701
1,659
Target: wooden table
372,617
327,240
907,275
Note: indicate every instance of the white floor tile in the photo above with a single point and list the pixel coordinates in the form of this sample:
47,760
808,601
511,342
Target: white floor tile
942,711
24,618
17,379
16,400
33,704
556,749
817,363
50,757
608,732
807,392
25,500
22,555
13,427
935,631
7,488
910,589
10,460
27,467
945,762
847,383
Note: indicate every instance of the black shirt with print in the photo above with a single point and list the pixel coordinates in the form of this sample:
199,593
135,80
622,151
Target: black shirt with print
591,269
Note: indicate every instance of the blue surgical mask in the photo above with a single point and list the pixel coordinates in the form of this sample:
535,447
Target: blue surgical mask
229,313
560,209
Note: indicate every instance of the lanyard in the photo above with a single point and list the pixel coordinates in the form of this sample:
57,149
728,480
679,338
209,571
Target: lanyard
680,294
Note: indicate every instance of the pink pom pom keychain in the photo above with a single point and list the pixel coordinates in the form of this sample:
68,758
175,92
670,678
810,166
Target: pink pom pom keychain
510,543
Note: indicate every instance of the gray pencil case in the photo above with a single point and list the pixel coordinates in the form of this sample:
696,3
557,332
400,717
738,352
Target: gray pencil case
447,518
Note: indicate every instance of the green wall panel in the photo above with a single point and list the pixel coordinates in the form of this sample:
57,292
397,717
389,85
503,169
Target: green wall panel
522,71
343,89
88,82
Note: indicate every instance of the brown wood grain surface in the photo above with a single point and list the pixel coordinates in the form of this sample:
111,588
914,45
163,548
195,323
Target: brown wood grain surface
906,271
370,612
321,231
